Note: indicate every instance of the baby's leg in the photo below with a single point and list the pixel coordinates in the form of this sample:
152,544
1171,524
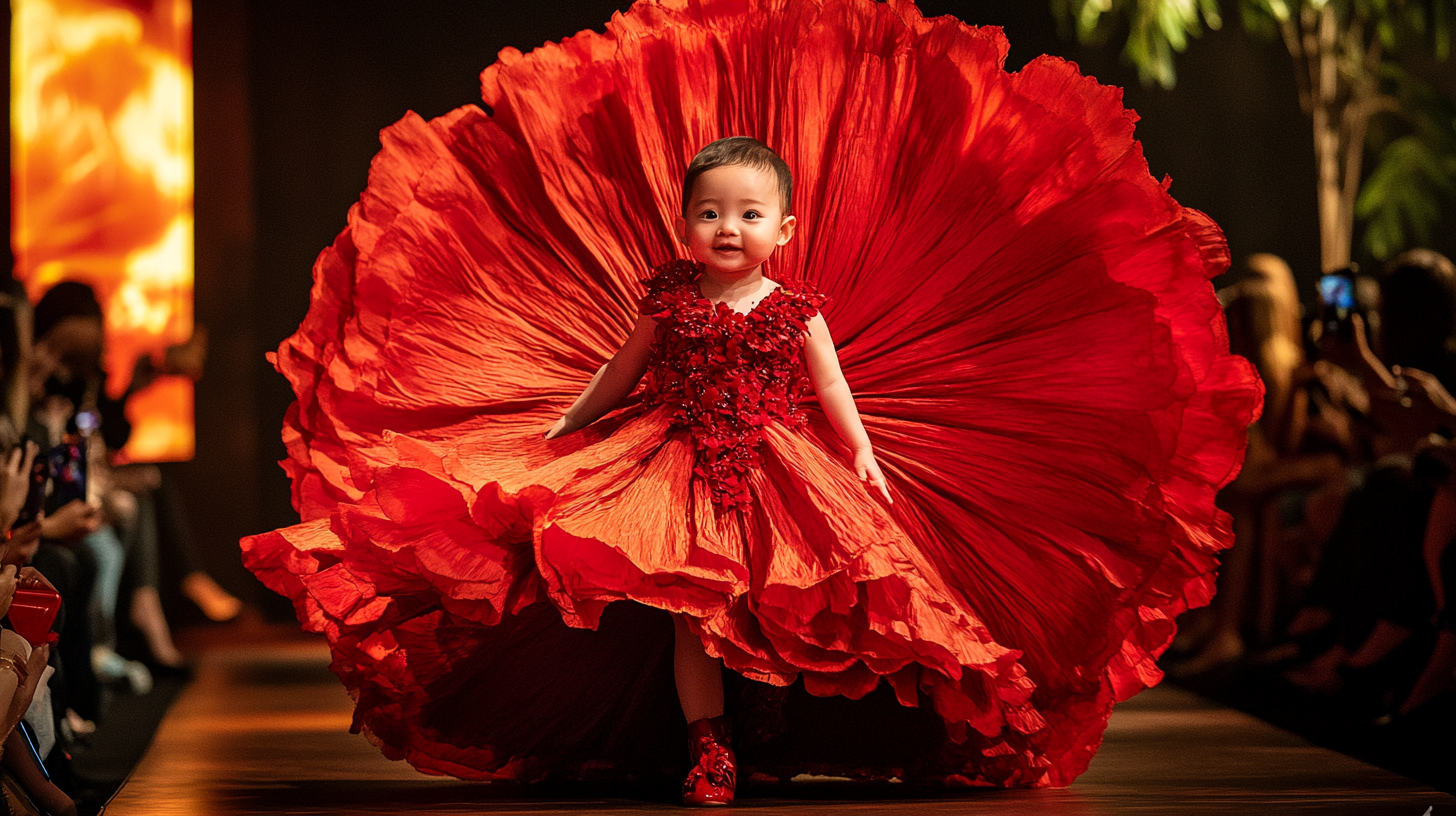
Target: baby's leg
699,676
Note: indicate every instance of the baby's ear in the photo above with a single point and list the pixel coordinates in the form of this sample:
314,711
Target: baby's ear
786,230
680,226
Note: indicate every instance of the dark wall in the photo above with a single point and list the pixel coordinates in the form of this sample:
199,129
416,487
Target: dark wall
1231,135
292,95
223,486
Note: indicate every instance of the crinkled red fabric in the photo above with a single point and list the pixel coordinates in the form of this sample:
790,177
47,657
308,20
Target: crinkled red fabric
1022,311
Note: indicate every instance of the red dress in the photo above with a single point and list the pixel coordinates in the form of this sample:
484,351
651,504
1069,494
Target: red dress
1021,311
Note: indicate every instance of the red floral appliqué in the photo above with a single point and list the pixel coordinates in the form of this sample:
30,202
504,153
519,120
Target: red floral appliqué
726,375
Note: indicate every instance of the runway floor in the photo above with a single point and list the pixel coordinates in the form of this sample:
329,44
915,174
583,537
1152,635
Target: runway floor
264,729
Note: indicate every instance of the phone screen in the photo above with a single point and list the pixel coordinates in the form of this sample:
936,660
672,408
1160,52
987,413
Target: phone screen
1337,295
67,470
1337,291
87,422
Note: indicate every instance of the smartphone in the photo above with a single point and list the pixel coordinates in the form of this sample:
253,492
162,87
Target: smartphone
1337,301
67,472
40,472
87,422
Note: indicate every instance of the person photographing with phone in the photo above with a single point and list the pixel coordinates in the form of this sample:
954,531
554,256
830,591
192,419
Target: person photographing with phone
28,602
1373,603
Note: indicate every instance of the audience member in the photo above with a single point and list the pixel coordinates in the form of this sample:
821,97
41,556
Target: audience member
1369,606
1263,312
26,673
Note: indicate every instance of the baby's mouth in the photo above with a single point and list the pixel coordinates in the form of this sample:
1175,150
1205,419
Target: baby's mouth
727,248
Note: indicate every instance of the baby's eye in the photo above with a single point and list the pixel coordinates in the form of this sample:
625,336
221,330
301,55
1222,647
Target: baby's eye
751,215
708,215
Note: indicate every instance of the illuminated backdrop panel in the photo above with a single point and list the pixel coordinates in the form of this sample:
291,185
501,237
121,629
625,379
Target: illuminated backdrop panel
102,181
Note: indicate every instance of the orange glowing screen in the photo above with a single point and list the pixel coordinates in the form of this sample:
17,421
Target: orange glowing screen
101,141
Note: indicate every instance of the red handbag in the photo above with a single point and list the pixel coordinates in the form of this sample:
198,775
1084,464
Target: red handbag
32,612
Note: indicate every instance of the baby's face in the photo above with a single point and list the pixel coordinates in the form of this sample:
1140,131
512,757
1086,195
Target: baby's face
734,219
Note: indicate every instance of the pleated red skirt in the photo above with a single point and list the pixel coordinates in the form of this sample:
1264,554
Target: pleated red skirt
1024,316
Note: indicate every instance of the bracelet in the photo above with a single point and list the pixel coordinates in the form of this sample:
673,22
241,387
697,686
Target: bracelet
12,661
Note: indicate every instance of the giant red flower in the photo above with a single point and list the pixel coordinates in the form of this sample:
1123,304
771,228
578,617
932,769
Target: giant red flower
1023,313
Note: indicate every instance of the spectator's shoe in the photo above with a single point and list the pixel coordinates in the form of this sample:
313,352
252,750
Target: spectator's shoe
73,730
1428,716
214,601
1221,650
715,768
111,667
139,678
107,664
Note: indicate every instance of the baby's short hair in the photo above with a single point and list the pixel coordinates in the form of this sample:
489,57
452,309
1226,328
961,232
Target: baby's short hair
739,151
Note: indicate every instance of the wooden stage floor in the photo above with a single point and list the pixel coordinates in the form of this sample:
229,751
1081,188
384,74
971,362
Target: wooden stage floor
264,729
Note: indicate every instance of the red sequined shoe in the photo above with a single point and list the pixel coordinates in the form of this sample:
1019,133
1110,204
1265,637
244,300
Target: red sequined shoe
715,769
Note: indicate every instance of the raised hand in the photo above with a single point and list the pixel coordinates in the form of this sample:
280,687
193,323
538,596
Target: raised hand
1412,407
1355,355
24,541
35,666
1425,392
15,482
30,578
7,588
72,522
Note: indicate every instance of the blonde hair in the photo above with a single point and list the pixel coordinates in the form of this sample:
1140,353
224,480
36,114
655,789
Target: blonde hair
1264,326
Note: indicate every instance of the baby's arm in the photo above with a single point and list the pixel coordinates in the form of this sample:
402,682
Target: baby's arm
838,403
612,381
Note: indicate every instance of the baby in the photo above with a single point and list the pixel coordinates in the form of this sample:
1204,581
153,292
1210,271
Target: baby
735,212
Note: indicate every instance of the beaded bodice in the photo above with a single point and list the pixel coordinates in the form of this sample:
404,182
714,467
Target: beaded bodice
726,375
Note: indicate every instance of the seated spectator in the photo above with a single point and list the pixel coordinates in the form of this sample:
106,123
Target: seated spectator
1263,314
25,673
1438,676
1369,609
126,547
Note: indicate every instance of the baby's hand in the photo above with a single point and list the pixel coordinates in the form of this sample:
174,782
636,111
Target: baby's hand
561,428
868,471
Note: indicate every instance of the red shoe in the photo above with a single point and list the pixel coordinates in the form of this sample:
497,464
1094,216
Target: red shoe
715,769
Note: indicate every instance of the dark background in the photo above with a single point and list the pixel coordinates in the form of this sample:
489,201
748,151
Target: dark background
291,95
